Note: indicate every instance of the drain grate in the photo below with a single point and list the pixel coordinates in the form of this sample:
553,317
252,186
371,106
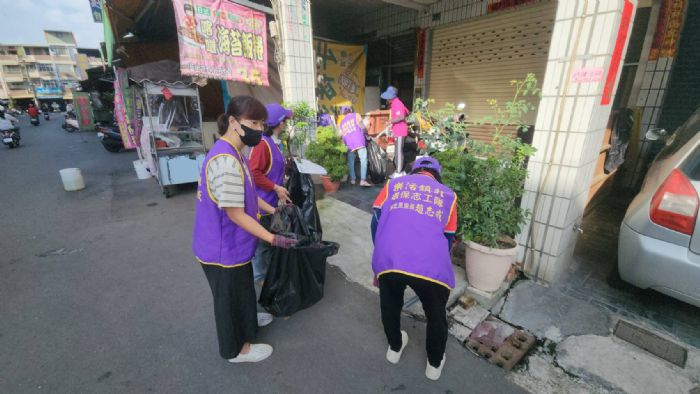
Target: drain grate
651,342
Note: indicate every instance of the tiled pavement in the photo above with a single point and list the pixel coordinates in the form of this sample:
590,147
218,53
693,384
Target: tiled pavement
593,278
357,196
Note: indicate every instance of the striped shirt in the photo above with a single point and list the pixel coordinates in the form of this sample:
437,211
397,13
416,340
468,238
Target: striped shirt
225,181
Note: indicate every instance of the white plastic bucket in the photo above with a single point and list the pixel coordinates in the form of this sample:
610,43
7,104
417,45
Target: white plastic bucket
72,179
141,169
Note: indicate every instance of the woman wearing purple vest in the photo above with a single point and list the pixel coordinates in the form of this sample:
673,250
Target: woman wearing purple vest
352,131
267,166
415,218
226,230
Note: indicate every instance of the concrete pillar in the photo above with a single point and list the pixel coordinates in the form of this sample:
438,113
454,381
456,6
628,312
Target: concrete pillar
297,65
571,121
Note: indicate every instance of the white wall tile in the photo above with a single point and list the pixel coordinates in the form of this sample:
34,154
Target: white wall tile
560,39
651,100
661,63
669,62
608,5
651,65
646,82
656,81
545,114
655,116
607,24
567,107
642,98
565,10
585,36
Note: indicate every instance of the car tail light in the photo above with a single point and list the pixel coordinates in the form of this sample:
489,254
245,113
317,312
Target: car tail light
675,204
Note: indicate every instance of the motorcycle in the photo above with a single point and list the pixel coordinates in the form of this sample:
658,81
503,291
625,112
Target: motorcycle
34,120
110,137
46,115
70,123
11,137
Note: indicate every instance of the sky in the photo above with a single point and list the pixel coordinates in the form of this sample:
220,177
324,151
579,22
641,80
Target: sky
24,21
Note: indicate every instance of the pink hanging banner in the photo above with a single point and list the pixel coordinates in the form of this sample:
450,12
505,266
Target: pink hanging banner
221,40
123,108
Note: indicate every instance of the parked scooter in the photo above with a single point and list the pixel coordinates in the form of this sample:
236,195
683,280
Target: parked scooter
11,137
110,137
46,115
70,123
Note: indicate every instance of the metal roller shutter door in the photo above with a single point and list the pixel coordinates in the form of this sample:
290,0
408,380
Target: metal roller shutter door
472,62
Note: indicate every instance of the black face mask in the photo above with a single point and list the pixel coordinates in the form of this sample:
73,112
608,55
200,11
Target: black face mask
251,137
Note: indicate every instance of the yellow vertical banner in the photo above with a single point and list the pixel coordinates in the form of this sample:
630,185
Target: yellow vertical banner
340,71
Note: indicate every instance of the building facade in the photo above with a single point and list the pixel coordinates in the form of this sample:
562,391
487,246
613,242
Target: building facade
39,73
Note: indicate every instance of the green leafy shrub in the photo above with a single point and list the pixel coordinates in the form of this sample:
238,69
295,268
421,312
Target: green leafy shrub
328,150
489,177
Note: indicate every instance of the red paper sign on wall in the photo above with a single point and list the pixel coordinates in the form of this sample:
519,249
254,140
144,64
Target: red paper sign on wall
617,52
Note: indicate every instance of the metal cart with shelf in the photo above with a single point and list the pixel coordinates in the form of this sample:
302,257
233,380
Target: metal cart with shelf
175,120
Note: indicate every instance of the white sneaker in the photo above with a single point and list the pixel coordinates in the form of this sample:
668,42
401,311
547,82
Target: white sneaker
396,175
264,319
365,184
433,373
394,357
258,352
352,182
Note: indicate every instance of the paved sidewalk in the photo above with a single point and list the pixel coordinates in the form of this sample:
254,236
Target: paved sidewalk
100,294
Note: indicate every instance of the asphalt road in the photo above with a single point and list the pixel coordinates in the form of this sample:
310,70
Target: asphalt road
99,293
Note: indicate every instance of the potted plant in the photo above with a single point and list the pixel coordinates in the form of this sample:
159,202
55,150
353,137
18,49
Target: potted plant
488,180
328,150
299,126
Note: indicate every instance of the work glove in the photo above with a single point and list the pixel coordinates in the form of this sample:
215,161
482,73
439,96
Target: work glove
283,242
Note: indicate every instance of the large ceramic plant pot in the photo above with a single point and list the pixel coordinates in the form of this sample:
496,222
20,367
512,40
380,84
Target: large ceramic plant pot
487,267
328,185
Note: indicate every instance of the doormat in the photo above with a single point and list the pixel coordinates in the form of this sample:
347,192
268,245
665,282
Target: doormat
651,342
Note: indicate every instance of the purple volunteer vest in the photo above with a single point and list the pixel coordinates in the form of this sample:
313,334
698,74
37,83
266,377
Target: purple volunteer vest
410,238
276,171
217,240
353,136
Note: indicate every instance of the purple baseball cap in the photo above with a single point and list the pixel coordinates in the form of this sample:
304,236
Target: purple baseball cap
345,109
390,93
276,114
427,162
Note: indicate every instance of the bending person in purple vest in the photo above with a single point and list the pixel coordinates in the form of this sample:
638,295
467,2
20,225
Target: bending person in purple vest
267,166
226,231
352,131
415,218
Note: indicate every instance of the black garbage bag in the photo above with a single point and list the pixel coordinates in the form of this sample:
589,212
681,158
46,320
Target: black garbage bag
296,276
376,163
302,194
410,151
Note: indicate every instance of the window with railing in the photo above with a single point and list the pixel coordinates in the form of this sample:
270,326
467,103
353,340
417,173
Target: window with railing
46,68
17,86
59,51
31,67
10,69
52,84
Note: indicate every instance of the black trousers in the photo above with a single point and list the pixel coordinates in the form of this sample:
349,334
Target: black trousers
234,306
432,296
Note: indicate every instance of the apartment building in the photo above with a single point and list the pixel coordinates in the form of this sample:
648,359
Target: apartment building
44,73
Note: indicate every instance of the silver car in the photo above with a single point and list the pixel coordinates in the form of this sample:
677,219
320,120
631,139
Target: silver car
659,245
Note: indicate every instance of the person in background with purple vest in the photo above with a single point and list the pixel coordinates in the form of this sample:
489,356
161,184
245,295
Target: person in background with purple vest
352,131
226,231
267,165
413,227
